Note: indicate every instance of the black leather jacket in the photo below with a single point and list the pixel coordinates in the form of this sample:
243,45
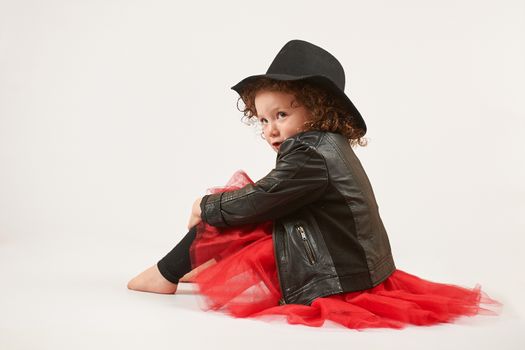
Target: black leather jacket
327,233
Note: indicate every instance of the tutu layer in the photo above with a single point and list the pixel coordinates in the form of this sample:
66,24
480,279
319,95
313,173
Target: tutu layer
242,281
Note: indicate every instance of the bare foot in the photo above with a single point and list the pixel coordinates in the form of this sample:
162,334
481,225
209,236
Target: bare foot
152,281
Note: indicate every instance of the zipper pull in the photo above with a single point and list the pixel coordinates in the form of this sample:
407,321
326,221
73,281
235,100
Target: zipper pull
301,231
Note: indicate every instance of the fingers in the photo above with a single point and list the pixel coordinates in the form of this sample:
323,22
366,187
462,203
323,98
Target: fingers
194,220
195,216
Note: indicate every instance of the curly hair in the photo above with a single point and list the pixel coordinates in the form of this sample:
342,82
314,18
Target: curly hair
328,113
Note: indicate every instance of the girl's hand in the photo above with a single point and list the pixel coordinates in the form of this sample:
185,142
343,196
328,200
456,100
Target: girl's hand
195,216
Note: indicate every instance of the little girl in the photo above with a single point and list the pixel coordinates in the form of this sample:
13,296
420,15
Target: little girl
306,240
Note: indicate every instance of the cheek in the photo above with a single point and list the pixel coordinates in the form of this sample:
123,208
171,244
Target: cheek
300,124
292,129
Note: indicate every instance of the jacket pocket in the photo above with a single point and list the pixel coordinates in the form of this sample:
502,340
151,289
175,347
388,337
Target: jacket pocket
310,253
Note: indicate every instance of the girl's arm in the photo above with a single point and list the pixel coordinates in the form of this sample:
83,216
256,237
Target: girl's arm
299,178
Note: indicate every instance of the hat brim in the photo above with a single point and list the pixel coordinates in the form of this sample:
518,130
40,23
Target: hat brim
319,79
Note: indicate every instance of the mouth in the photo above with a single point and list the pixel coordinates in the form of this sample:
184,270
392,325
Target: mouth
276,144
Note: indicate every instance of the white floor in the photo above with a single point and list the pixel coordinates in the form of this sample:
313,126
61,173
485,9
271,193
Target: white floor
66,293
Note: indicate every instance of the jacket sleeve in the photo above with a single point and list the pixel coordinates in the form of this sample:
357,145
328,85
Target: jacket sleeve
299,178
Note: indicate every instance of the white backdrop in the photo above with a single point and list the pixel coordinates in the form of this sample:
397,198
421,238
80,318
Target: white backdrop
116,115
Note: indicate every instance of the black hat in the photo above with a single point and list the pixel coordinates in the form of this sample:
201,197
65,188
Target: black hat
301,60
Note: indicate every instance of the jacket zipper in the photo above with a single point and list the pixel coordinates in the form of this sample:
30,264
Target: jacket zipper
308,248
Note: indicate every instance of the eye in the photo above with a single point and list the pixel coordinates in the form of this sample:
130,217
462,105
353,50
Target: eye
281,113
262,120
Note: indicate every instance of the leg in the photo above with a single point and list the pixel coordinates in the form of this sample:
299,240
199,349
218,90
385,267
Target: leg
177,263
164,276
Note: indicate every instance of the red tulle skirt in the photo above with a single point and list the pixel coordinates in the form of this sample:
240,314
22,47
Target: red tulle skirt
238,275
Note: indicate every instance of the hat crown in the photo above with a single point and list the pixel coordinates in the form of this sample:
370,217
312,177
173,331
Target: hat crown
301,58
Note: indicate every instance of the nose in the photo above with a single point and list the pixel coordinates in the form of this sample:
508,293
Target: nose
273,129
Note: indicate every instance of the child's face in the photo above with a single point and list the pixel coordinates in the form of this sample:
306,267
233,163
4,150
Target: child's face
280,116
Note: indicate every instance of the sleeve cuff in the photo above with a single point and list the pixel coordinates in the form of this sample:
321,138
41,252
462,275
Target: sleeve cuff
211,212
